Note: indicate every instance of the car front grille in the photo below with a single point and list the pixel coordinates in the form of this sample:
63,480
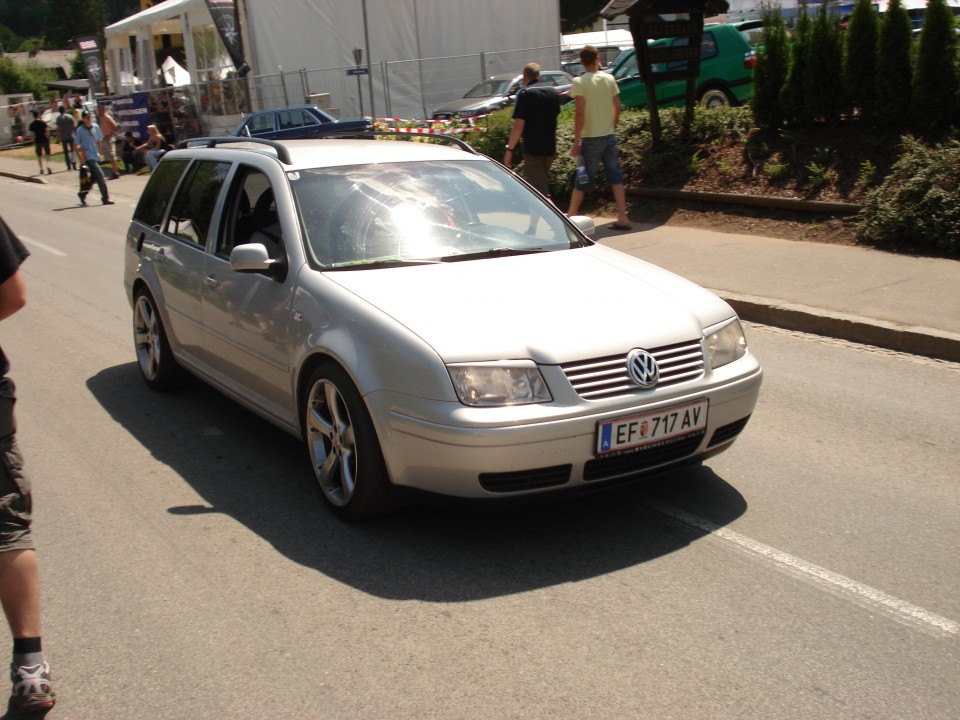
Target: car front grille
728,432
607,377
621,466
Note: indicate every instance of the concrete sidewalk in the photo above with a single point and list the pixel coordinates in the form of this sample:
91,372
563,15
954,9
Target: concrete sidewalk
910,304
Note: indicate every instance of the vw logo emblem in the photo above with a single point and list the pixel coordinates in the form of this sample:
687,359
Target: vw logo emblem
642,368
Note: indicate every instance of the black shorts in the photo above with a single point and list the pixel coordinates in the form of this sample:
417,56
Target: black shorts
43,148
16,505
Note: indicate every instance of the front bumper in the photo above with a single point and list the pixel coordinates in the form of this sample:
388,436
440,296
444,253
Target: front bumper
493,452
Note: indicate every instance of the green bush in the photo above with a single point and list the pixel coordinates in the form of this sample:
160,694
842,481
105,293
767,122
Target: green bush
770,73
916,205
793,97
824,79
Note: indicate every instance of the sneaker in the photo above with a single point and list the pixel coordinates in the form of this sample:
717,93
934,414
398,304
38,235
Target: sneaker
114,177
49,171
83,198
108,201
32,689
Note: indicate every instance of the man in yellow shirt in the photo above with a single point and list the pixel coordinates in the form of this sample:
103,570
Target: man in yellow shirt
597,98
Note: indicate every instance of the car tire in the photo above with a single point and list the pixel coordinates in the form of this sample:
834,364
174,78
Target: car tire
154,356
343,447
716,97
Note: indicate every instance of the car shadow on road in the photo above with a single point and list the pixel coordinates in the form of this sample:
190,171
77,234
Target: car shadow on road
257,474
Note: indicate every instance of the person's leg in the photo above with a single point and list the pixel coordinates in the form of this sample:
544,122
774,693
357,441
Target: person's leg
96,174
20,592
39,150
614,176
66,154
46,148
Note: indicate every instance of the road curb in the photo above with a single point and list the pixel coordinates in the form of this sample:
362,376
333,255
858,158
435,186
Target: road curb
763,201
25,178
913,339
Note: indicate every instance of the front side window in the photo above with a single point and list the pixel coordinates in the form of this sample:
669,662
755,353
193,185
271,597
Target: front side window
193,207
260,124
250,214
421,212
156,195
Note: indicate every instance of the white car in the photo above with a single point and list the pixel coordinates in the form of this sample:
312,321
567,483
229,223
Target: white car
423,319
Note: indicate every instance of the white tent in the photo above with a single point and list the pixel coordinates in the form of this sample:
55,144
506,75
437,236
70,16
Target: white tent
317,34
174,74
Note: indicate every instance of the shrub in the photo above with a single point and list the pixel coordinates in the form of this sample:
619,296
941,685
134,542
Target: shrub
793,97
916,205
823,82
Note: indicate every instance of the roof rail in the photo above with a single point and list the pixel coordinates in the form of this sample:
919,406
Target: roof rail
282,153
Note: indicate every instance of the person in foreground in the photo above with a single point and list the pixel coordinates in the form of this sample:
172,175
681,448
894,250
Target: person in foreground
32,694
597,99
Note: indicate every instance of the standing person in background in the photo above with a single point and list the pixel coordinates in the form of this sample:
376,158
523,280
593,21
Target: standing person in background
88,142
65,128
108,126
594,134
41,141
535,119
19,571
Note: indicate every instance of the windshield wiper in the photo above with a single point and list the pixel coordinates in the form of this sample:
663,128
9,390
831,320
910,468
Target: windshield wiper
374,264
492,252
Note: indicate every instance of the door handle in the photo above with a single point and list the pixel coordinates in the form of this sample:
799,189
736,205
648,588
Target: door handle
211,281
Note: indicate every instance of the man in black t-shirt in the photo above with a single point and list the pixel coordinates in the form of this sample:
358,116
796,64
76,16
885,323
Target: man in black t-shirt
535,118
41,141
19,574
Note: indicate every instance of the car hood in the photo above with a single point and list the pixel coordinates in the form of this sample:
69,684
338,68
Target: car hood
552,307
470,105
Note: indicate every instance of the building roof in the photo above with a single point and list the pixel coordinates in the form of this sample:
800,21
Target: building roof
59,60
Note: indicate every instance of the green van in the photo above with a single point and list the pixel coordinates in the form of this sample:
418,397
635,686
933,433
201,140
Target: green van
727,56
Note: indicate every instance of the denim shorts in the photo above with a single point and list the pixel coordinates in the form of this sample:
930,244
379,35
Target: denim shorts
16,505
597,150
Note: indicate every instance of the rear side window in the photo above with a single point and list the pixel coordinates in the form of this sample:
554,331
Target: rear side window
159,191
192,212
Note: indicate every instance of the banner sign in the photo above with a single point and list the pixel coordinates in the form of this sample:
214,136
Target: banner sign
132,113
92,62
224,14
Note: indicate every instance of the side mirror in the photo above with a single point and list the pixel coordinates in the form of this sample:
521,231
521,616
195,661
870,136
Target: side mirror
584,224
252,257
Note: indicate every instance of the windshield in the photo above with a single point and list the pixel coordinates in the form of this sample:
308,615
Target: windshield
489,88
419,212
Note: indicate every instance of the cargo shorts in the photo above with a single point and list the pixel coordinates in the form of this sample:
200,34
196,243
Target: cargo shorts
16,504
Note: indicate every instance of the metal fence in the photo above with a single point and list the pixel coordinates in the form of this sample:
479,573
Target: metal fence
408,89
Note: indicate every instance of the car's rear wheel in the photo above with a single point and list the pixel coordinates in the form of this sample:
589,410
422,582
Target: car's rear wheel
716,97
154,356
344,450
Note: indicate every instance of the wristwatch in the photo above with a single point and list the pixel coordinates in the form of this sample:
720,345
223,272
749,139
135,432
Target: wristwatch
509,148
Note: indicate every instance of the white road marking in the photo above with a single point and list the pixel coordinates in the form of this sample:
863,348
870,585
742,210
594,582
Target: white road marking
51,250
861,594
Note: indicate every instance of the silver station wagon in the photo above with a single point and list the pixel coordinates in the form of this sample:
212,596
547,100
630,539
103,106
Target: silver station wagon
422,319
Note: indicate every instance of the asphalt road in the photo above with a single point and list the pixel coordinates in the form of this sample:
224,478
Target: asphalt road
190,570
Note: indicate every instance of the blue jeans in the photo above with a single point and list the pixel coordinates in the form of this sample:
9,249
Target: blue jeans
96,175
597,150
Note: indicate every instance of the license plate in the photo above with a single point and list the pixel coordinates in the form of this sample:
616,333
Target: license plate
653,427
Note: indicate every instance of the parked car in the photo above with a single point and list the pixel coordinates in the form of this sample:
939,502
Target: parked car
300,121
497,92
422,319
727,58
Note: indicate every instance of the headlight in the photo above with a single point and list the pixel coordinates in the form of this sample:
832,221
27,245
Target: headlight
726,345
497,385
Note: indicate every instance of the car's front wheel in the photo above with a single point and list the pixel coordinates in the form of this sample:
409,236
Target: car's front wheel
154,356
716,97
344,450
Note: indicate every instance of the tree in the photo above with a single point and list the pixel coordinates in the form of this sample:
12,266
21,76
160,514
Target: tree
770,72
860,61
74,18
793,97
894,68
936,89
824,80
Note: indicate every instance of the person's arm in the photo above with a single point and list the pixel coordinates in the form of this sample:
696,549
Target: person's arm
13,295
515,132
78,146
616,110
